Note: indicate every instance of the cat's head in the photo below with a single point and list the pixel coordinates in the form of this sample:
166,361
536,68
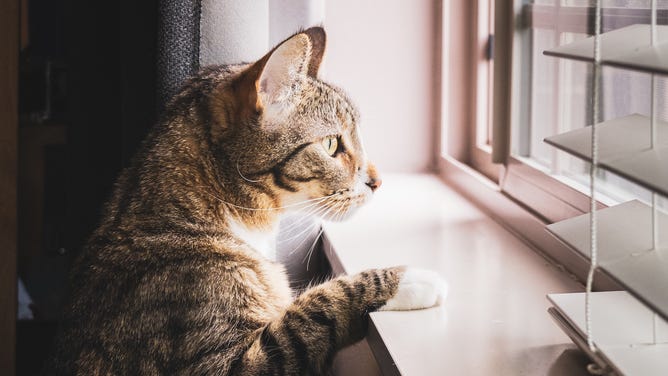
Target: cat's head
294,134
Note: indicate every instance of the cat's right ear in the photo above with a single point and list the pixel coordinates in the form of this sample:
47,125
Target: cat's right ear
270,83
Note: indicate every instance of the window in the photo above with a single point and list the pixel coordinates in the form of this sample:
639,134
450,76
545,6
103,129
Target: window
557,91
549,96
547,170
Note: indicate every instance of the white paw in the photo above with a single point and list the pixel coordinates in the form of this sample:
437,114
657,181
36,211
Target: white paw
418,289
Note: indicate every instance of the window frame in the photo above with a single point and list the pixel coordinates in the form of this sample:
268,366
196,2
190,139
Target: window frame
482,86
543,194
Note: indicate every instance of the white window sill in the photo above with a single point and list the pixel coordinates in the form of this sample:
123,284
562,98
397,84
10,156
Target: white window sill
494,321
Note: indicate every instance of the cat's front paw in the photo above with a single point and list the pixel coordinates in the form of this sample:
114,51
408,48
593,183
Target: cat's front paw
418,289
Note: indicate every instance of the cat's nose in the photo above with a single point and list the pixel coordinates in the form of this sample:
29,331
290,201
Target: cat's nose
374,183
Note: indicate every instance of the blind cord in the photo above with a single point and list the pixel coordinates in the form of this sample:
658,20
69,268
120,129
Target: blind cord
652,113
655,219
653,135
653,24
593,218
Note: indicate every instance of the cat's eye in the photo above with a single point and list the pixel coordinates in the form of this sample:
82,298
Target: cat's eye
331,144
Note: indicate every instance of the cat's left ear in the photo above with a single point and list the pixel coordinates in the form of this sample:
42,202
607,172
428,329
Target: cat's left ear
280,74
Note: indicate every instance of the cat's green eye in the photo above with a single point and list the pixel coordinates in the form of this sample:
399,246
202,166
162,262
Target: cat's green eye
331,144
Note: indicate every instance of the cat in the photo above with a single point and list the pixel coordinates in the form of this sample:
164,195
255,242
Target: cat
179,277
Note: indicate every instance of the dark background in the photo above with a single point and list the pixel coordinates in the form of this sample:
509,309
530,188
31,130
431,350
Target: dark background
102,59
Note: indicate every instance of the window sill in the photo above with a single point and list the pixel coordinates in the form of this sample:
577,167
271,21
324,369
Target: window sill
495,319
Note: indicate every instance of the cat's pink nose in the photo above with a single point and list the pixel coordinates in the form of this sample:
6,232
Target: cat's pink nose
374,183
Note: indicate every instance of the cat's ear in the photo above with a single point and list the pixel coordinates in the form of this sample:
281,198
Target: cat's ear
318,40
285,70
272,80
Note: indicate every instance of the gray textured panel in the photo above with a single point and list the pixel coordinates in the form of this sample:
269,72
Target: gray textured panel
178,46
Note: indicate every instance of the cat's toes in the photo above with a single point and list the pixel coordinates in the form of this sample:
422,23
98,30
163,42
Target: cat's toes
418,289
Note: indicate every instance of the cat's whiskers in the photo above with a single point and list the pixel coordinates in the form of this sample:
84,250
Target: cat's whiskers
302,232
307,258
302,216
310,251
314,210
341,213
302,219
343,209
304,239
242,175
294,205
307,230
323,212
319,206
301,237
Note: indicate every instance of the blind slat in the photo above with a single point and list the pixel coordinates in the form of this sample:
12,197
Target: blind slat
628,47
625,238
625,346
624,149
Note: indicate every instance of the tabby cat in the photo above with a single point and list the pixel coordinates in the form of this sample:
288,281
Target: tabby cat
179,278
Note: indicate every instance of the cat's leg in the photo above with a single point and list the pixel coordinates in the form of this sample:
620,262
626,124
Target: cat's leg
332,315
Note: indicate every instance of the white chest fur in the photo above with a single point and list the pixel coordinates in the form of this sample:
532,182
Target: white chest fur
264,242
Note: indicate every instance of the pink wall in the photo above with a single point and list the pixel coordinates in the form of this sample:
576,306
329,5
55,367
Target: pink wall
382,53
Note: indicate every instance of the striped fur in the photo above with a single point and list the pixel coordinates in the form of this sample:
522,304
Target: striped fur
166,286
